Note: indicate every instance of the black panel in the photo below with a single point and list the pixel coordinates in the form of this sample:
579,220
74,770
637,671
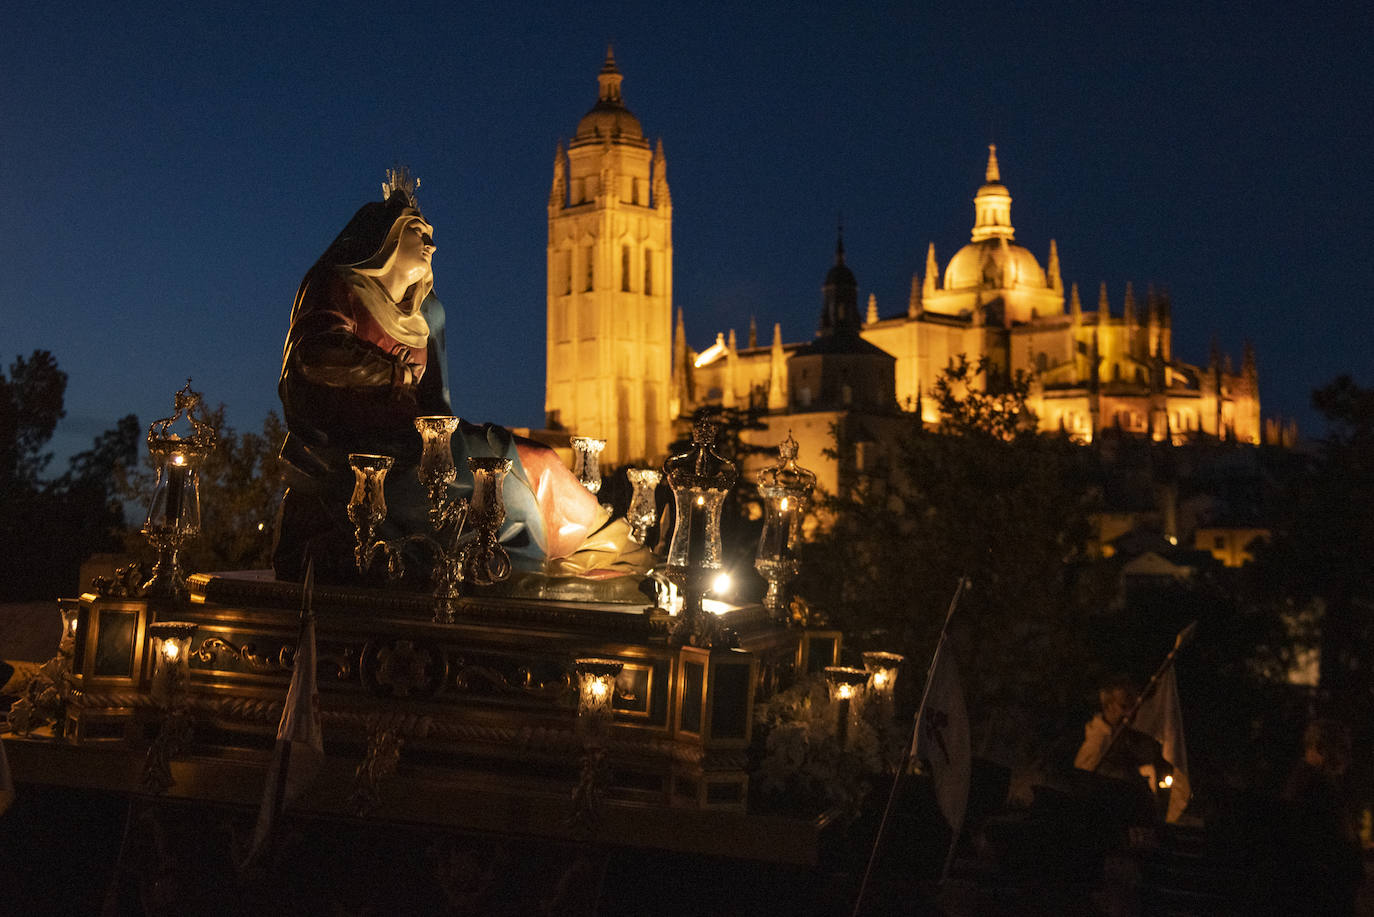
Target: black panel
729,716
693,673
114,645
820,653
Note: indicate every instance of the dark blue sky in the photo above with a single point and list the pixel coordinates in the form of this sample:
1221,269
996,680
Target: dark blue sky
171,173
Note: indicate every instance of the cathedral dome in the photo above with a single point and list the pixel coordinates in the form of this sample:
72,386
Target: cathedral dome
609,119
992,260
993,264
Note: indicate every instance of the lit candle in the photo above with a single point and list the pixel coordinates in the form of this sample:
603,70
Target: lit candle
176,486
787,519
696,532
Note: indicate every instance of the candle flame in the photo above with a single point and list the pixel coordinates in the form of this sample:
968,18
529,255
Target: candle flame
171,651
845,692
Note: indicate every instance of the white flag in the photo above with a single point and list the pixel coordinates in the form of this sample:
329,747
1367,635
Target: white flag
6,781
1161,717
942,737
300,746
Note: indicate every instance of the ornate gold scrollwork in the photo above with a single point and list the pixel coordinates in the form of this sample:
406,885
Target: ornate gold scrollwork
401,668
474,678
211,647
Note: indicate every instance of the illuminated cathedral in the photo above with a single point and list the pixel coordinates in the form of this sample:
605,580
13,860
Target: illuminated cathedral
620,368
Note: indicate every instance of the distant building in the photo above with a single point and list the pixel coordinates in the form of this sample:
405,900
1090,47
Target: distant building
620,369
610,283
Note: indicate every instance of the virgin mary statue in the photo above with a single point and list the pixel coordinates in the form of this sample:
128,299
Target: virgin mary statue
364,356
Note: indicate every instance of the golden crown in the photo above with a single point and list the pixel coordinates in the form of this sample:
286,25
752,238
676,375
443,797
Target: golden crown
399,179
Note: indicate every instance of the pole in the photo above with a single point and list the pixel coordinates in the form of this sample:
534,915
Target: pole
1183,638
906,755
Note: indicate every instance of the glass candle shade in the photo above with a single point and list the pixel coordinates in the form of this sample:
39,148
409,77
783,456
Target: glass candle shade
596,691
845,683
882,669
367,505
175,506
171,650
587,461
847,693
67,642
486,561
436,471
487,507
643,505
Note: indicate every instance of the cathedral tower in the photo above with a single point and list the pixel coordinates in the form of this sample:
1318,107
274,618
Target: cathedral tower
610,283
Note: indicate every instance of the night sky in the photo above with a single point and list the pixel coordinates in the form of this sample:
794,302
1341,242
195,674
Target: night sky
171,173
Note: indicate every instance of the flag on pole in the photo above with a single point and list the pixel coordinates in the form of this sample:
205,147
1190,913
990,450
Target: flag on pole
1161,717
299,750
942,737
6,781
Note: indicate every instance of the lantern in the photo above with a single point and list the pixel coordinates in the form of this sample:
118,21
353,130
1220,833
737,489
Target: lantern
67,642
883,669
846,686
700,480
595,692
174,511
786,490
171,646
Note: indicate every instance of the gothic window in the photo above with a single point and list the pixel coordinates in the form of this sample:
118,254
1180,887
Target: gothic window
565,270
1042,362
590,274
648,273
625,268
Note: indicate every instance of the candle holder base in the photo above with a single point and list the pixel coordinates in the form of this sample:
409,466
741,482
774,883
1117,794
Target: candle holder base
168,582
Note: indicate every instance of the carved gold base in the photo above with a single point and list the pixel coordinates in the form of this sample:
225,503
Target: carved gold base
485,703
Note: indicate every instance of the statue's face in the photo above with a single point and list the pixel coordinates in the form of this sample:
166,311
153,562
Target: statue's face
413,253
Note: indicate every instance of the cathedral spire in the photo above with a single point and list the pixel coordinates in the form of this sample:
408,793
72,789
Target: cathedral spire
840,294
932,272
1056,282
609,78
992,204
1075,304
1104,307
728,397
558,194
1128,309
777,372
662,198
